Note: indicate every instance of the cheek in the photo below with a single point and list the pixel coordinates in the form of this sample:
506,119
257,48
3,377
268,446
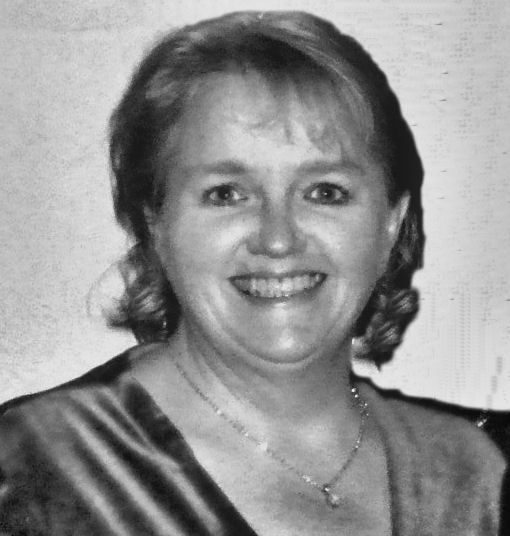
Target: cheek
195,245
356,241
180,260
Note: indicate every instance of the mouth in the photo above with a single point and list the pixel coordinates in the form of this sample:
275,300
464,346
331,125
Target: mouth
277,287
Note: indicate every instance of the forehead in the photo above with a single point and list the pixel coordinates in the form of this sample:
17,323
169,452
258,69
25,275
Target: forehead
287,111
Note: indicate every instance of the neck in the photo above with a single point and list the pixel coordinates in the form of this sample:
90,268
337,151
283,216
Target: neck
309,394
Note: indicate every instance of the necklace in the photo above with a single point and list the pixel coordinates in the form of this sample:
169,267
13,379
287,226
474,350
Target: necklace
327,488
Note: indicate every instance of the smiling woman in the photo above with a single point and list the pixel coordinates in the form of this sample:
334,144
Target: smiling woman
272,188
254,205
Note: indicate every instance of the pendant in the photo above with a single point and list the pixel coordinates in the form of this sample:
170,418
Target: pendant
332,499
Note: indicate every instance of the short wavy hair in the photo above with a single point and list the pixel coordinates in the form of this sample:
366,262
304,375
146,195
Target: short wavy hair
288,49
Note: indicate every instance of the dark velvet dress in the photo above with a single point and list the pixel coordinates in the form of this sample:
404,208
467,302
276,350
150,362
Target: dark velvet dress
103,459
97,457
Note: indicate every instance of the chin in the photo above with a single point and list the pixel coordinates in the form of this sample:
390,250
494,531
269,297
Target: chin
283,349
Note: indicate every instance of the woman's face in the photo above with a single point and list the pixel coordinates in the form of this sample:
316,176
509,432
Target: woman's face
272,242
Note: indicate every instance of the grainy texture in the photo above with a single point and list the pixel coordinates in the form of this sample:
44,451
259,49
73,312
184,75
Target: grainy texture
63,67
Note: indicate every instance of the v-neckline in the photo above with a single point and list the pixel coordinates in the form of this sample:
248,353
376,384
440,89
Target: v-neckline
167,430
161,419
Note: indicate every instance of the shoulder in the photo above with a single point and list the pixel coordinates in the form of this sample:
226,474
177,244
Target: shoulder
100,376
436,429
70,451
42,420
97,380
446,472
41,437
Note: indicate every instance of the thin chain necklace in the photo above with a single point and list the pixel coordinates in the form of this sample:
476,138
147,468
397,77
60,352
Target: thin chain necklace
327,488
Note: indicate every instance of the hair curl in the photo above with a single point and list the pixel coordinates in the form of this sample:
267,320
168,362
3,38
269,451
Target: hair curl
288,49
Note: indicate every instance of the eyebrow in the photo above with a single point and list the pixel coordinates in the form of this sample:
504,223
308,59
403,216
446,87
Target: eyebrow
222,167
325,167
236,168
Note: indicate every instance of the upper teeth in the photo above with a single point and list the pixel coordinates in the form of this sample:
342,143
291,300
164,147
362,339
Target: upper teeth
277,287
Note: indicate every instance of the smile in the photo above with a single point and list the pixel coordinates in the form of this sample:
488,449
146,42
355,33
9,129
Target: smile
277,287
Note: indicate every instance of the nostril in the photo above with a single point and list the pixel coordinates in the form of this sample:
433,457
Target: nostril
277,236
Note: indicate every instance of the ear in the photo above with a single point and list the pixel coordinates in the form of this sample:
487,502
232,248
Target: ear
396,216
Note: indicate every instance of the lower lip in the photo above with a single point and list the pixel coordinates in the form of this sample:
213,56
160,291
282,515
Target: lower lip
305,294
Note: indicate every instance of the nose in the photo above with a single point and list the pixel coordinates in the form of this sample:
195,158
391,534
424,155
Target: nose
277,234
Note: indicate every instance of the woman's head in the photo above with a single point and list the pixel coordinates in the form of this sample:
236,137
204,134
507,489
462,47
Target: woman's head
308,70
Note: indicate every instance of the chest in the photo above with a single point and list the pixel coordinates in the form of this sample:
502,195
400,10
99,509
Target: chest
273,500
276,502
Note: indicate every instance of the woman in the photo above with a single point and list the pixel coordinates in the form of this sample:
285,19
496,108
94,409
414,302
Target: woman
272,188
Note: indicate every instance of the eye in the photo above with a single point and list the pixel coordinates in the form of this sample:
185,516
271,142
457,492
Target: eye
326,193
223,195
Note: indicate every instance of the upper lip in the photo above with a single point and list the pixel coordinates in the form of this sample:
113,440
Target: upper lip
266,274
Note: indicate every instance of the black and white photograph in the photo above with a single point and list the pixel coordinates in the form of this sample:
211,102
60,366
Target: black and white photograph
255,268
